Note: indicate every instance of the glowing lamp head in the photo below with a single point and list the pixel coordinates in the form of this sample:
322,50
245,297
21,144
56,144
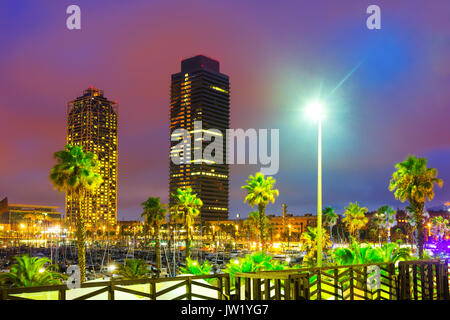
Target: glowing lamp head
315,111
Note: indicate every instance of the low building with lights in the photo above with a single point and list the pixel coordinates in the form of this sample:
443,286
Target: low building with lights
291,225
24,217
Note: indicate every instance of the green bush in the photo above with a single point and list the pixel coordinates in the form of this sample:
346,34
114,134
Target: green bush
258,261
31,272
197,269
133,269
365,253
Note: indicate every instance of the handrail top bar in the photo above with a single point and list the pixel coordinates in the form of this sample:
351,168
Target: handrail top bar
58,287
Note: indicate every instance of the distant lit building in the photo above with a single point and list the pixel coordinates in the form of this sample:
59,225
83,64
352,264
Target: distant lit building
201,93
25,216
278,226
130,227
92,124
281,226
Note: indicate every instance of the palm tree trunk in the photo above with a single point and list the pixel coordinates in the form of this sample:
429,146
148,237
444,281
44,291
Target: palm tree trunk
188,243
419,239
81,242
158,253
262,215
420,228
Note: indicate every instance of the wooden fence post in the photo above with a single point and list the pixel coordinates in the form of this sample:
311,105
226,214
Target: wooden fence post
336,283
351,284
287,288
256,289
227,286
237,287
62,294
277,289
153,290
319,284
248,293
393,284
111,291
189,289
430,281
267,289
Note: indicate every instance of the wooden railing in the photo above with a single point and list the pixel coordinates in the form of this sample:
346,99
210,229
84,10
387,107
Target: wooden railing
411,280
424,280
221,286
270,286
380,281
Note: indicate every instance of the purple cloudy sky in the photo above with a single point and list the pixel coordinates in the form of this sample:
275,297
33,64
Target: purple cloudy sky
278,54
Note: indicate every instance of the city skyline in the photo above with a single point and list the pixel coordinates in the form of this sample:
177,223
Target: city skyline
389,106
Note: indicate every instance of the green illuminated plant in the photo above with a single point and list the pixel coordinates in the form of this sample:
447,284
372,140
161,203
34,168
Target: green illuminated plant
258,261
31,272
133,269
365,253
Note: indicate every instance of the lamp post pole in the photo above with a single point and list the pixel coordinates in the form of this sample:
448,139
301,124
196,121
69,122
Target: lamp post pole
319,195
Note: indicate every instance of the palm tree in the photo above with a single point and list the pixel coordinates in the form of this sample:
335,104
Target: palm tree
355,218
330,219
379,220
390,221
75,174
155,215
260,192
133,269
439,226
411,219
309,244
414,182
31,272
257,223
385,219
249,227
186,208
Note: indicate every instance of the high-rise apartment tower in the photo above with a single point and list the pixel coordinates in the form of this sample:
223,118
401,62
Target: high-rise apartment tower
200,93
92,124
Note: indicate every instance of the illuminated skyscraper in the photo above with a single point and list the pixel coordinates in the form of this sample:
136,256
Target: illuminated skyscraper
92,124
201,93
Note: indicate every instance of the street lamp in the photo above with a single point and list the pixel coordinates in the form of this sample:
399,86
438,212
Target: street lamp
315,111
